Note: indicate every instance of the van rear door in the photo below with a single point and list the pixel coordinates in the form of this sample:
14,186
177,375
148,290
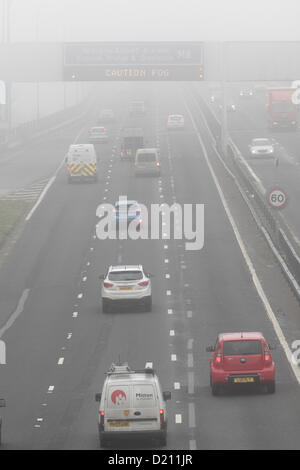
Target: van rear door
117,409
145,408
146,160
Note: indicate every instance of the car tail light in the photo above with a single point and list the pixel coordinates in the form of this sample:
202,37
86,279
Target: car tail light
162,416
121,153
267,356
143,283
102,417
218,358
108,284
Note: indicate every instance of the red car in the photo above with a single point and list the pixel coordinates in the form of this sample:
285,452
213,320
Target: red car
241,358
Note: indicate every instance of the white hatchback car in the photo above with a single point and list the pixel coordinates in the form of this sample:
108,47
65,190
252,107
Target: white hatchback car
125,285
175,121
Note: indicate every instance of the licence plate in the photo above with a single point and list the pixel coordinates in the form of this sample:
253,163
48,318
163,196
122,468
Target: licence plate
243,380
125,288
119,424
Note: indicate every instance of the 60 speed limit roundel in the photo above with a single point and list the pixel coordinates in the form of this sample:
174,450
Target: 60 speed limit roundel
277,198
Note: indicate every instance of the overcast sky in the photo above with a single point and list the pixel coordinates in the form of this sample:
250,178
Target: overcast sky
149,20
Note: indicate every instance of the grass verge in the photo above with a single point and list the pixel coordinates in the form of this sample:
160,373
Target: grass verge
10,214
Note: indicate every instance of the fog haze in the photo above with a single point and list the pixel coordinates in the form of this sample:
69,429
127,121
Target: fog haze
71,20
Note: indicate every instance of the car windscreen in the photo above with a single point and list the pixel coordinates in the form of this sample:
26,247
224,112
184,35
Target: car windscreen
125,276
146,157
242,348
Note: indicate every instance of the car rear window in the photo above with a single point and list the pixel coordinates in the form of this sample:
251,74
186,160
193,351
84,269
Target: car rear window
175,118
126,208
242,348
144,396
125,276
261,142
146,157
98,130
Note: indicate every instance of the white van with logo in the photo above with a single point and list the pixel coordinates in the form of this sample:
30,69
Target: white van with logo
147,162
132,405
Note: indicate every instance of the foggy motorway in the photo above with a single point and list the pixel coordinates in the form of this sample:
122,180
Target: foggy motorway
72,325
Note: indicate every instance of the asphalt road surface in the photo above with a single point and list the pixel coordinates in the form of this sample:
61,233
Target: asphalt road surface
60,343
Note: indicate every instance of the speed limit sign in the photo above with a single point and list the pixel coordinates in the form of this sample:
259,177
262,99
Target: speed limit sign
277,198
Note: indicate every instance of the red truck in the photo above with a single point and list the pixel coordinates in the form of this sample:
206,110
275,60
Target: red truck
282,112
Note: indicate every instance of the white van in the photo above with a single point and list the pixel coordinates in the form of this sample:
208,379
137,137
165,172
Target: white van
81,162
147,162
132,405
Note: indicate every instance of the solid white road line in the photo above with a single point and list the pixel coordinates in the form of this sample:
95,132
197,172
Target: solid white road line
50,182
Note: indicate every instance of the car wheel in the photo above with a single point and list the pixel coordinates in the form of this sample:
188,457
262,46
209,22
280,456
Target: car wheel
215,387
105,306
271,387
103,442
69,180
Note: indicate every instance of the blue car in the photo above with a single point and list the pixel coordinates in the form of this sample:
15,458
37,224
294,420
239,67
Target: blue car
127,211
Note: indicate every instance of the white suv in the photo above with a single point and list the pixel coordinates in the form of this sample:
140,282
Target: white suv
132,404
125,285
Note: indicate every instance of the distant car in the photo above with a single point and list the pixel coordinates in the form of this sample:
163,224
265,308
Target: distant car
137,108
241,358
175,121
126,285
106,116
246,92
98,135
127,211
262,147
